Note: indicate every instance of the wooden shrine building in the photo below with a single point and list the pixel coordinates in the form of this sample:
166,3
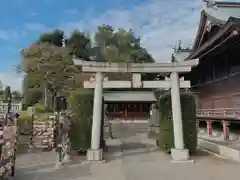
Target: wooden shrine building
216,80
129,105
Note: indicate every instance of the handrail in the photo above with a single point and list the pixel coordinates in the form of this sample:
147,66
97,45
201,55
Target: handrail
224,112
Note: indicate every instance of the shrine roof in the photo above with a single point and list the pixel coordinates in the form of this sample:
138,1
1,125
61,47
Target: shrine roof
219,22
222,10
129,96
227,32
180,56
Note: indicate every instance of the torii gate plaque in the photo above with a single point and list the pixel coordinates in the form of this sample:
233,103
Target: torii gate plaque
178,153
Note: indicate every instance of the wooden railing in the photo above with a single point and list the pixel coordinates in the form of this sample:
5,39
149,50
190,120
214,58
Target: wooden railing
219,112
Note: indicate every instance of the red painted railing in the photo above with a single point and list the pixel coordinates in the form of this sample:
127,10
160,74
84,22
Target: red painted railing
219,112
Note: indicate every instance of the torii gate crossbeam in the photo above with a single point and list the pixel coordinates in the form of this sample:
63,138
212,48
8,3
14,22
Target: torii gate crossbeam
178,153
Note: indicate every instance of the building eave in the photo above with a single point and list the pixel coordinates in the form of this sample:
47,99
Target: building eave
129,96
232,25
218,14
222,11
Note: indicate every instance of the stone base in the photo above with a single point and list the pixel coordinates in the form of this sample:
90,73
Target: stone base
180,155
66,158
58,165
94,154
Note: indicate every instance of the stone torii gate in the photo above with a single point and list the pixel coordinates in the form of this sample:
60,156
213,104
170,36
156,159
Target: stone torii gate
100,68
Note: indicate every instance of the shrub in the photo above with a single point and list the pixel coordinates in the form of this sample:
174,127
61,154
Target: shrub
48,109
43,117
81,105
165,139
39,108
31,96
25,123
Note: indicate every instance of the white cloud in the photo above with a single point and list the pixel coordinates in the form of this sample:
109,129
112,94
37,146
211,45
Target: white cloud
4,35
11,79
35,26
160,24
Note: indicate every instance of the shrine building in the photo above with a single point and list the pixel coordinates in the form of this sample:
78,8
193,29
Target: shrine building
216,79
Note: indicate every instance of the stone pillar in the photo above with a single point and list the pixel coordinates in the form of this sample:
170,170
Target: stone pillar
197,125
95,153
225,130
209,128
178,153
153,121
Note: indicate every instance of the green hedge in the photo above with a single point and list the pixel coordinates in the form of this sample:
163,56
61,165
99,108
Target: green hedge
25,123
81,105
165,139
40,108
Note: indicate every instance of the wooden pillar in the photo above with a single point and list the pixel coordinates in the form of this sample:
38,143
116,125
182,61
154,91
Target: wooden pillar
209,128
141,114
225,130
125,111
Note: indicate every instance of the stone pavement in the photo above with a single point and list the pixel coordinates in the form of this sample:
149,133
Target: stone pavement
217,137
131,156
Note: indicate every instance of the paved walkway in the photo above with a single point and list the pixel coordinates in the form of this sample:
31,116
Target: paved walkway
218,137
131,156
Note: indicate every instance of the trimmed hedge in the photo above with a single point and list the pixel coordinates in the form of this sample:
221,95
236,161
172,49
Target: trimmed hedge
165,139
81,105
40,108
25,123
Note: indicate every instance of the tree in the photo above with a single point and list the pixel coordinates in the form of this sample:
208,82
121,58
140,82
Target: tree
1,91
7,94
79,45
56,38
52,66
49,66
1,85
32,96
119,46
17,95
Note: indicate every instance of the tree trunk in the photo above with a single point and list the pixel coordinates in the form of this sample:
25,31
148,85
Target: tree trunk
54,95
45,96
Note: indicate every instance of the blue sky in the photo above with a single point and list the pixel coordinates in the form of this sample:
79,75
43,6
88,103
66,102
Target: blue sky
159,23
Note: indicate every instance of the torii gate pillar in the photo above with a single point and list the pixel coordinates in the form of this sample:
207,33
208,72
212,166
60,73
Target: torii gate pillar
178,152
95,153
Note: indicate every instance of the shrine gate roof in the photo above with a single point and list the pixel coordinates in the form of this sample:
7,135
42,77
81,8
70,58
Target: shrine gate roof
129,96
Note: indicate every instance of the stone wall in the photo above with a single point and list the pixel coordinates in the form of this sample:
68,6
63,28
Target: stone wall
8,143
43,134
